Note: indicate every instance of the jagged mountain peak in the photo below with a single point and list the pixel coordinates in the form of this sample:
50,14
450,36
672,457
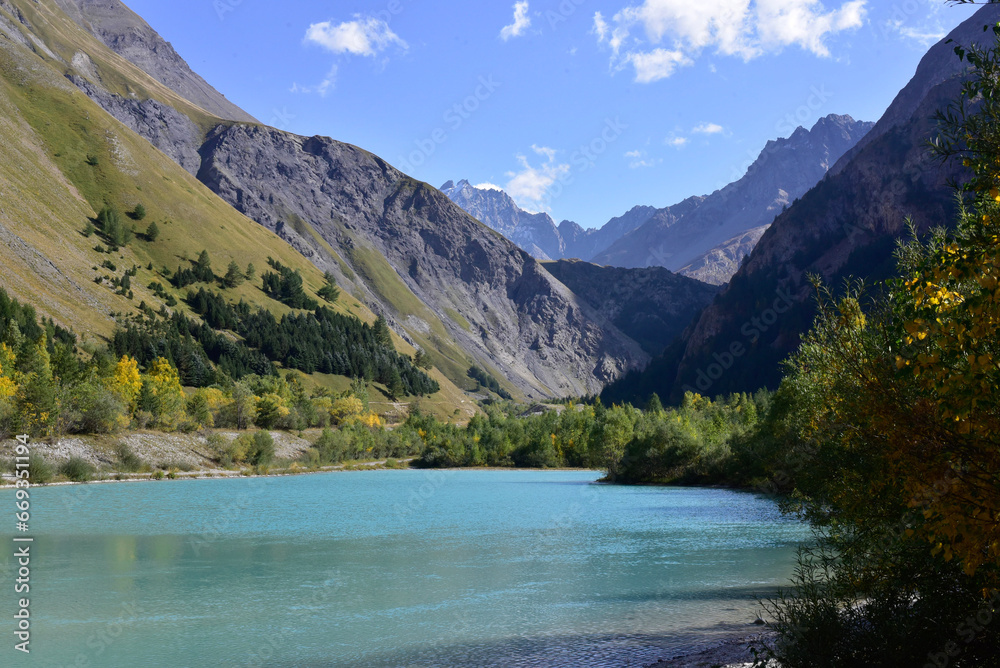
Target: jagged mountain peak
707,237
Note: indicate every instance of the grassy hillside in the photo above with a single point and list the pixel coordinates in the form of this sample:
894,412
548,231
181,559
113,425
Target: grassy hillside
63,159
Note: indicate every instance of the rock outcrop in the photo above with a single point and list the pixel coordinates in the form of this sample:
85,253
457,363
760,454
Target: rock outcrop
125,33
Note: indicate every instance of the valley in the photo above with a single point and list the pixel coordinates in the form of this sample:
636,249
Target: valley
528,442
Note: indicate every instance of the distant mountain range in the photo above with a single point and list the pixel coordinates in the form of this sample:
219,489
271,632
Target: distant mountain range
702,237
707,237
537,233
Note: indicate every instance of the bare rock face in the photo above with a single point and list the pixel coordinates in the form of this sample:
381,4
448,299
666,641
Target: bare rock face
586,244
688,232
163,126
652,305
519,318
720,264
846,226
129,36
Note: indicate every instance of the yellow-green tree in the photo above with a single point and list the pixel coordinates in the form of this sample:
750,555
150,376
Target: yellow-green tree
8,382
9,419
892,435
37,398
162,395
126,382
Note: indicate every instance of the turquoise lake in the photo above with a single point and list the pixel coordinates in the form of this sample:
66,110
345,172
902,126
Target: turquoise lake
394,568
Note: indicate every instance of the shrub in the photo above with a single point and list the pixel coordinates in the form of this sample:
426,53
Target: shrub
39,469
262,452
77,469
331,447
128,461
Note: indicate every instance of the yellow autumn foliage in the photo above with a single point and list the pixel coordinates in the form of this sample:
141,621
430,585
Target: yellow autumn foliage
368,419
345,409
126,381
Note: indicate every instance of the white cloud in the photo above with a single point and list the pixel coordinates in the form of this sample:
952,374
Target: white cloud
708,129
638,160
742,28
487,186
600,27
657,64
604,33
364,36
677,142
521,22
925,36
804,23
323,88
530,186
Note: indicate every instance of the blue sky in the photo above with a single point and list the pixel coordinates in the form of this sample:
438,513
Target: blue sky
582,108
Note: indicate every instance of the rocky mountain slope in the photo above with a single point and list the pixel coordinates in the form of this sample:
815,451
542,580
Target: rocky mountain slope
447,283
846,226
125,33
586,243
493,298
63,159
683,237
651,304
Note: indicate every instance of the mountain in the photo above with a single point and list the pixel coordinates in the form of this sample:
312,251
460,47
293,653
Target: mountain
585,244
846,226
706,236
652,305
63,159
125,33
537,233
434,263
97,88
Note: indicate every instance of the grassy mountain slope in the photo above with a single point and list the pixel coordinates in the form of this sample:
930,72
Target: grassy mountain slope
64,158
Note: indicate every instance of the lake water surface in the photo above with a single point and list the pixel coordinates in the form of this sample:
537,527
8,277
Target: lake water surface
394,568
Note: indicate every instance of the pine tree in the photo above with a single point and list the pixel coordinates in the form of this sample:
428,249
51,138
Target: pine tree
329,291
152,232
234,277
382,334
395,384
203,268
